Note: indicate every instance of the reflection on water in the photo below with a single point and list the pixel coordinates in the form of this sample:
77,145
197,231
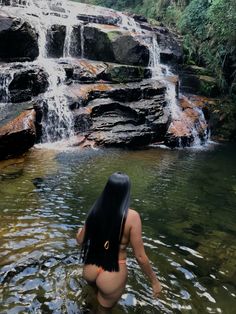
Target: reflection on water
187,201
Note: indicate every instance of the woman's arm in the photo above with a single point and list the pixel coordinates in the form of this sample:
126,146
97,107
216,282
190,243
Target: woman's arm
80,235
140,254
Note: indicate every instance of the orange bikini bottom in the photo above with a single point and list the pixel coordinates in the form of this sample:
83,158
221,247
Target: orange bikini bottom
120,261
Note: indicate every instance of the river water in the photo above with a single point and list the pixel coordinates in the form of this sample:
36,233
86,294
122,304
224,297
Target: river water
187,201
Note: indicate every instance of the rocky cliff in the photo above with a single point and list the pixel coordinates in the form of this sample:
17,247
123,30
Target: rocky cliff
91,73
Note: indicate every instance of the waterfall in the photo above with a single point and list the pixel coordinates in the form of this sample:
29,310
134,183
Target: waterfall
6,77
57,120
163,73
82,40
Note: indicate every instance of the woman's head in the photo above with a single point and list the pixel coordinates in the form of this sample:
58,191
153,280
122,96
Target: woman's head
105,223
116,193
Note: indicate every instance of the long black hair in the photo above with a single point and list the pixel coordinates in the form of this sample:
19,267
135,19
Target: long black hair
104,225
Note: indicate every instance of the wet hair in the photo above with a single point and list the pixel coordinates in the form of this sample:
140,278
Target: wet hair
104,225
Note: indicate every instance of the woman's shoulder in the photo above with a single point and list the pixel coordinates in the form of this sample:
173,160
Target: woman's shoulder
133,214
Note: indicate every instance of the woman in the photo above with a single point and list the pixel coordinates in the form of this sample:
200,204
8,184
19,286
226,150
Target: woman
109,228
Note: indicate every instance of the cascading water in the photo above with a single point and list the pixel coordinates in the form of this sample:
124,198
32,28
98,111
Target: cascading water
82,40
57,121
163,73
6,77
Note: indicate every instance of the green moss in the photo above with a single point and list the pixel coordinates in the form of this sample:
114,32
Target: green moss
208,86
123,74
223,119
113,35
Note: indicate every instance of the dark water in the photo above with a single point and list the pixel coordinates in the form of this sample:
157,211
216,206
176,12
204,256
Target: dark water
187,200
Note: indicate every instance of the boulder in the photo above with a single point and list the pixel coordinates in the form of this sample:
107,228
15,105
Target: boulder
17,136
122,114
19,40
55,41
170,45
88,71
199,84
109,44
127,124
82,70
27,83
125,73
79,95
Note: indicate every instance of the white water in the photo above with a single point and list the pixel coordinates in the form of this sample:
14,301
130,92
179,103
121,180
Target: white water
163,73
6,77
82,40
58,122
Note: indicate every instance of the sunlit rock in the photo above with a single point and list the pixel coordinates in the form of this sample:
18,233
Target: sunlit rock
17,136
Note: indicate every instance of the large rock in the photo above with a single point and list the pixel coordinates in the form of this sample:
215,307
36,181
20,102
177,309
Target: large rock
122,115
82,70
27,83
79,95
17,136
19,40
194,80
125,73
109,43
170,45
128,124
87,71
55,41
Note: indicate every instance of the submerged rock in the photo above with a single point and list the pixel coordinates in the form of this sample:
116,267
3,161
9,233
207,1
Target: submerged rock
19,40
17,136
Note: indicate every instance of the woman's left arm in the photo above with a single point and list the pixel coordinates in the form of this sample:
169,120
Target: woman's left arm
80,235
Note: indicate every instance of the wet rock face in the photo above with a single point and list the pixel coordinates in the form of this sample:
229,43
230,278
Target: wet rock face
99,19
26,84
129,50
109,44
196,80
19,41
55,41
92,71
180,132
17,136
170,46
122,115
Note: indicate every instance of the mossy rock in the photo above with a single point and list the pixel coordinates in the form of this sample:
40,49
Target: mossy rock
194,69
124,73
199,85
113,35
208,86
223,120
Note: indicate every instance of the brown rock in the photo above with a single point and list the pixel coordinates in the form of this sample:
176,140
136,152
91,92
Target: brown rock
17,136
